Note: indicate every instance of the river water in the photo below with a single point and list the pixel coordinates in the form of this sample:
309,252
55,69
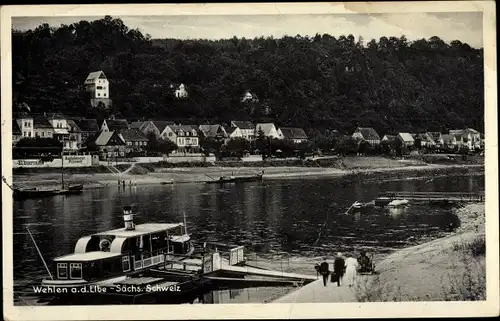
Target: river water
285,224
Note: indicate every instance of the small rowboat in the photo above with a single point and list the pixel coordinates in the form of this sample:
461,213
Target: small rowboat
397,203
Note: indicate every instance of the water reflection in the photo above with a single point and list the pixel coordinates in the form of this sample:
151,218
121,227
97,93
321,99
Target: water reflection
305,217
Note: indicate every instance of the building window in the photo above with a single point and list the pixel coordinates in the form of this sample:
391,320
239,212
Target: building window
43,134
99,87
126,263
29,134
170,134
98,95
75,270
62,270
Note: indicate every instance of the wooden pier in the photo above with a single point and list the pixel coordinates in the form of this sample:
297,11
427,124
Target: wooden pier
438,197
232,271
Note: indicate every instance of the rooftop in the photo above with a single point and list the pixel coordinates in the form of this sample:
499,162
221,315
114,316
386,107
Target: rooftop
162,124
368,133
116,124
87,125
40,121
133,135
293,133
142,229
407,137
243,124
87,256
104,138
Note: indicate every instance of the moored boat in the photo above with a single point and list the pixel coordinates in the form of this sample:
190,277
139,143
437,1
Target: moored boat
111,257
398,203
237,179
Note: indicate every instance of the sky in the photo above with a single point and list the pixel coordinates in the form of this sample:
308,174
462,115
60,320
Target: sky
464,26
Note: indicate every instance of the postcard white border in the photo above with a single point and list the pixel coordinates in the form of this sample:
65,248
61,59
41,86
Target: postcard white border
490,307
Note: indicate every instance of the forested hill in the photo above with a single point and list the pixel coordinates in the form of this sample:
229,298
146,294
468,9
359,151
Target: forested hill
324,81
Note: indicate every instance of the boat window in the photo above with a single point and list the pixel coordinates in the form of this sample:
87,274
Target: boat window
62,270
178,247
75,270
158,241
125,263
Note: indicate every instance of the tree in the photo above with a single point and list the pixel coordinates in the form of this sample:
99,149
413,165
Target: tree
166,147
237,146
389,85
347,145
365,148
36,147
211,145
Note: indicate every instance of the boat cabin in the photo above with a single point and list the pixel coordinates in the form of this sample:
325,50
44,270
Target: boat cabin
124,250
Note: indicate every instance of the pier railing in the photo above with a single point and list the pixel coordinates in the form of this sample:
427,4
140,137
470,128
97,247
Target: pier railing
451,196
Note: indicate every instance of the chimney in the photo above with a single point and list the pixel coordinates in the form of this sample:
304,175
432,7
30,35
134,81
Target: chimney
128,218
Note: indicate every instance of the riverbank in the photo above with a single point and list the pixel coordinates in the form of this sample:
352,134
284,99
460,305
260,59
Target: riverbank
141,174
451,268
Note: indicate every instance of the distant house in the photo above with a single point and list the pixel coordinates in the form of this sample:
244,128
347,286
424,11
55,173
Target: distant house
297,135
60,124
25,123
233,132
437,139
88,128
214,131
97,84
425,139
449,141
110,145
113,125
406,139
42,127
246,128
249,97
367,134
75,135
137,124
184,136
17,134
389,138
181,92
268,129
161,126
135,140
146,127
468,138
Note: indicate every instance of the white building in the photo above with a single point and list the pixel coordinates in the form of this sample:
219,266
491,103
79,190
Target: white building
268,129
246,128
181,92
97,84
25,123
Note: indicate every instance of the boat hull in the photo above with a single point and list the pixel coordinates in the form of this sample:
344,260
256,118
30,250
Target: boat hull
22,194
240,179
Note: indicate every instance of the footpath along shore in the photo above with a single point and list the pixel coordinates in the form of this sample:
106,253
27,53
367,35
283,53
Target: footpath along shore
449,268
203,174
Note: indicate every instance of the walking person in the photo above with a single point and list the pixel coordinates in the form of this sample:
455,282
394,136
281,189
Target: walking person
338,268
324,271
351,266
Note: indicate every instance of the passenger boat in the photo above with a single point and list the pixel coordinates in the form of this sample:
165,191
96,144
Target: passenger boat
107,258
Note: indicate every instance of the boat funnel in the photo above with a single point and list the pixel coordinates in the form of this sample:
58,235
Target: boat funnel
128,218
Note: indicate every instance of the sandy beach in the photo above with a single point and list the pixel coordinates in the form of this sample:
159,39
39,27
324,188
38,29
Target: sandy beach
451,268
139,174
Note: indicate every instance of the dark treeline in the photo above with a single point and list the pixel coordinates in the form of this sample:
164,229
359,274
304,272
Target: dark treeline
313,82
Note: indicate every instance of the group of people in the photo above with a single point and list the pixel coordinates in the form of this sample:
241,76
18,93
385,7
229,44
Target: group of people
344,269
